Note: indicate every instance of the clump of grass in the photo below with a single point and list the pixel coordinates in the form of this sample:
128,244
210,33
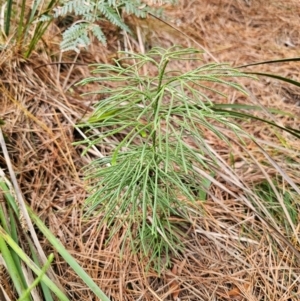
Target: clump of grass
15,243
20,24
266,193
152,130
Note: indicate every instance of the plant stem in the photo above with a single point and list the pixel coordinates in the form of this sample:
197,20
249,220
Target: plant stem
7,17
20,34
155,107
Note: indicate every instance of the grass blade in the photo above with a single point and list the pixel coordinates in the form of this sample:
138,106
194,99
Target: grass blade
68,258
4,236
285,79
38,279
296,59
11,267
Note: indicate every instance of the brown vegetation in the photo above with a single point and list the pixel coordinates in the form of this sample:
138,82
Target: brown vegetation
222,261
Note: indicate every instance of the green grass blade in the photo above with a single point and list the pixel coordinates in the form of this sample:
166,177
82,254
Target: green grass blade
14,235
46,291
290,130
68,258
7,17
20,31
4,236
237,106
11,267
39,32
7,194
295,59
10,226
285,79
26,294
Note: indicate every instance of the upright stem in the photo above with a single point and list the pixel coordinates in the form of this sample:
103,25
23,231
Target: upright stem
20,32
7,17
156,107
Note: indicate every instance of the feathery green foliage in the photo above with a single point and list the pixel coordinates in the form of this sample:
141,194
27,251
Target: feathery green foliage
152,128
77,35
92,11
149,179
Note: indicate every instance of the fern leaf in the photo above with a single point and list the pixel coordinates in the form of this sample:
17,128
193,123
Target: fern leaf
98,33
91,11
44,18
79,7
111,14
112,2
75,37
132,8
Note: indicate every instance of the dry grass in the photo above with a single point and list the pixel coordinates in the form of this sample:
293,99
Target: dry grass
231,254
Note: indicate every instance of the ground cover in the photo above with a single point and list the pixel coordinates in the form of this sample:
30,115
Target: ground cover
230,252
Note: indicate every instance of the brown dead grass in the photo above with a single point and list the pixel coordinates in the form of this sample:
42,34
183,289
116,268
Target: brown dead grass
230,253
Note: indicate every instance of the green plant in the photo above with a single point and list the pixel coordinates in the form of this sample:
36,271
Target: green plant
150,176
267,194
67,256
26,31
14,251
91,12
34,21
275,76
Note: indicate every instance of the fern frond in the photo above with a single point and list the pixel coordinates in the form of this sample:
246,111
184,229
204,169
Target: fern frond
44,18
111,14
79,7
76,37
132,8
112,2
91,11
98,33
90,18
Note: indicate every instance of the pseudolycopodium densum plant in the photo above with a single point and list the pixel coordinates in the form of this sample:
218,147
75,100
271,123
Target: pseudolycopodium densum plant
151,130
